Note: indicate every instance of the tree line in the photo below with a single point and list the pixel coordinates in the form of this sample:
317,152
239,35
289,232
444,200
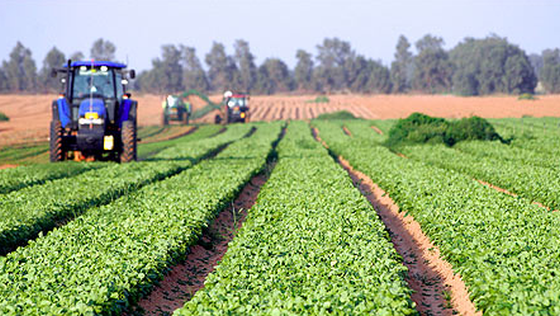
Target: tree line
484,66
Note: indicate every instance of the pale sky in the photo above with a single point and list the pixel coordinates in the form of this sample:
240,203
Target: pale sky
272,28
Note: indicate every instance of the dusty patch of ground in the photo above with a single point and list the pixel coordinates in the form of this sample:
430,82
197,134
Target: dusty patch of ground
186,278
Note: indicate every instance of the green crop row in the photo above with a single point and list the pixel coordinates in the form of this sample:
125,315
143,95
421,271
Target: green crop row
25,213
313,245
505,249
536,183
25,176
146,150
104,260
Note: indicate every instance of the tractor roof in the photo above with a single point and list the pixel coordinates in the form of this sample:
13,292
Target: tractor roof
97,64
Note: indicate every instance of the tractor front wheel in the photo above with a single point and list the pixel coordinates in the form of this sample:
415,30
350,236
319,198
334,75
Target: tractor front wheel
56,151
128,137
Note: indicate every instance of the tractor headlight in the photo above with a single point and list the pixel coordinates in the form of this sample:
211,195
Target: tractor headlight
108,142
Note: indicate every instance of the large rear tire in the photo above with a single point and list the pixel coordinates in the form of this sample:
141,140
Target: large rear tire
56,150
128,137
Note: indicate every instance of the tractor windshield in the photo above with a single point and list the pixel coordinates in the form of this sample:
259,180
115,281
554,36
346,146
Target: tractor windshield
236,102
98,83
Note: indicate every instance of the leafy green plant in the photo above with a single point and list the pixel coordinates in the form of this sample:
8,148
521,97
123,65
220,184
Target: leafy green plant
338,115
25,213
499,244
526,96
25,176
419,128
105,259
319,99
313,245
4,117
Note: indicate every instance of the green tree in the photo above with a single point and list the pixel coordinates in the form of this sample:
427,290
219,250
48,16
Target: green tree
103,50
536,61
170,69
194,76
222,71
491,65
246,65
333,55
274,77
433,69
550,72
367,76
400,66
20,70
3,81
54,59
77,56
303,72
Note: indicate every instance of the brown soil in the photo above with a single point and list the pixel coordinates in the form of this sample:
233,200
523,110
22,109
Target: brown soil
377,130
187,277
429,276
400,106
30,114
511,194
7,166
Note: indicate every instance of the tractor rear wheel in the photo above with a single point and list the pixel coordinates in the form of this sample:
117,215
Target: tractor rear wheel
56,152
128,137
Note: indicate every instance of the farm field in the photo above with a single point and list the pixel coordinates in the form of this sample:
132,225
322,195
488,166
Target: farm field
301,217
29,120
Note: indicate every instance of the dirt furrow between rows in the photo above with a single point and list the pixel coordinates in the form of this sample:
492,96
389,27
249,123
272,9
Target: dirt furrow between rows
346,131
497,188
430,277
377,130
187,277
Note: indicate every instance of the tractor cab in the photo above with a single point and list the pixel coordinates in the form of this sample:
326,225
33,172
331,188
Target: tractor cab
236,107
94,118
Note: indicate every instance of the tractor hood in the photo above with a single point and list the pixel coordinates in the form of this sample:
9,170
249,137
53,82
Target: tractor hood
92,106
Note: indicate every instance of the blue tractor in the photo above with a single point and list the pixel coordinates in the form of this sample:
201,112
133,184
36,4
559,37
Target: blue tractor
94,117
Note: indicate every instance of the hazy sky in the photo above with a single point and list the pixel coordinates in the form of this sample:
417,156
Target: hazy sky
273,28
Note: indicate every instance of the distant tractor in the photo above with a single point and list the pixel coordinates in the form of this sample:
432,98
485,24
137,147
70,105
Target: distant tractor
176,109
236,107
93,117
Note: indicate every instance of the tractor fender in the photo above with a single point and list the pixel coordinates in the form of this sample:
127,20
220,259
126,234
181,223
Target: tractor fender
127,111
61,111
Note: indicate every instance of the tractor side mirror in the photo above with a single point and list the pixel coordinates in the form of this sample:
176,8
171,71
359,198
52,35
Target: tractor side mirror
53,73
132,74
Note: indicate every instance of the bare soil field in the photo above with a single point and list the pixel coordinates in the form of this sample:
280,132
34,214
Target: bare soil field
30,114
399,106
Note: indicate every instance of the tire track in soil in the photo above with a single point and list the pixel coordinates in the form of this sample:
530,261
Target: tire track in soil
187,277
429,275
297,113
